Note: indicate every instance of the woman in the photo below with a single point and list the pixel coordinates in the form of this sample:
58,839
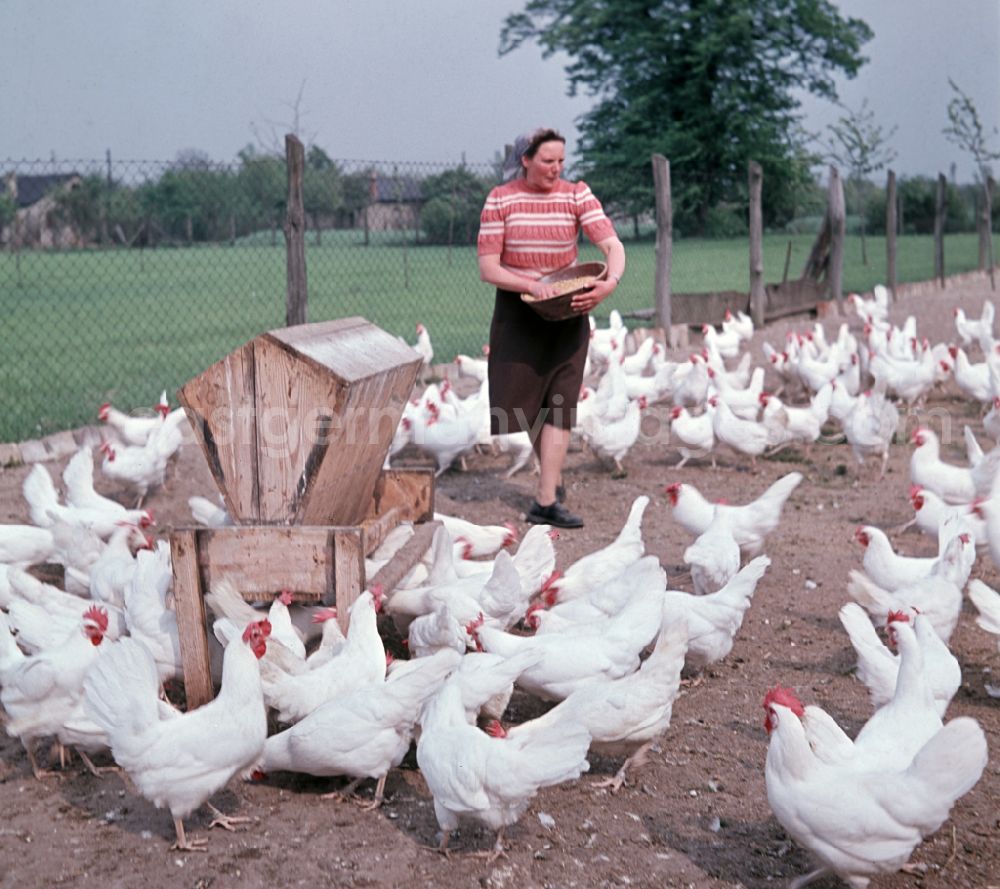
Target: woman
529,228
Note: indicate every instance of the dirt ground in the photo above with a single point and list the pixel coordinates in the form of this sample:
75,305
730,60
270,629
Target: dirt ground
695,816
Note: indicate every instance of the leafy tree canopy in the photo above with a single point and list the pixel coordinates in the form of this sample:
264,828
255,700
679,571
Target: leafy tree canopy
707,83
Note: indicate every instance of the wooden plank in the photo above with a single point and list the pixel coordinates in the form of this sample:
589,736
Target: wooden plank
374,530
297,289
409,490
411,552
220,405
189,608
297,409
349,571
342,487
261,560
351,348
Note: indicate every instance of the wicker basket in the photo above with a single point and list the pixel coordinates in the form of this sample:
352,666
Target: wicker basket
558,308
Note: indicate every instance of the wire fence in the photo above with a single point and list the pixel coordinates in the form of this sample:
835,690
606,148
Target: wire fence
121,279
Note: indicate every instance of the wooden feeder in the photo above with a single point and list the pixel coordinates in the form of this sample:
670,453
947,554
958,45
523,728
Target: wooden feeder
295,426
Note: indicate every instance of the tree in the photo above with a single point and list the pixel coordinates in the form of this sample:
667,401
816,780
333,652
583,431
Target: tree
707,83
966,131
321,188
859,145
453,202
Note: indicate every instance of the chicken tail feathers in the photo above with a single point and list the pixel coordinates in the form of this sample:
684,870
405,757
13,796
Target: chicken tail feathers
875,600
121,687
945,769
552,751
40,493
987,601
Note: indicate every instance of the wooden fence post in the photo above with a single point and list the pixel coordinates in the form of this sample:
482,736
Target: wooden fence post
940,209
757,293
984,223
664,242
297,293
890,233
838,223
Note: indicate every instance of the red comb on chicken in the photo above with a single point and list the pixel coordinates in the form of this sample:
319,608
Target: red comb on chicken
472,628
550,589
512,536
95,624
286,597
785,697
378,594
861,536
103,411
495,730
673,491
324,614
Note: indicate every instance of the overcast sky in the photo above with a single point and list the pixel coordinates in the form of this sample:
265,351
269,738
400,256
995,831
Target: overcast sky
398,80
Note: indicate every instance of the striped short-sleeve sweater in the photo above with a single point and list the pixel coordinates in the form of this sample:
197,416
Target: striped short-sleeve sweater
536,232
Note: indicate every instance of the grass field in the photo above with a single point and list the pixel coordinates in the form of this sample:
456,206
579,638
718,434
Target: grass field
84,327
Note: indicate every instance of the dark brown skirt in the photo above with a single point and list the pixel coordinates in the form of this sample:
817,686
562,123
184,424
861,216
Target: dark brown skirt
535,367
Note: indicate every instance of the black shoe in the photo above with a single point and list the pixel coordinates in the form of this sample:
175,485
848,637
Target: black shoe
554,514
560,493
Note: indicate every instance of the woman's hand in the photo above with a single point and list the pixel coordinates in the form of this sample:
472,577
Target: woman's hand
586,301
542,290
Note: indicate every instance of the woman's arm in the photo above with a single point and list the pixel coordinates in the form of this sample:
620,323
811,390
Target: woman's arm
614,255
492,272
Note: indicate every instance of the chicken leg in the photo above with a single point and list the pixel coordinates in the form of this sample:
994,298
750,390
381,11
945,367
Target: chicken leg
637,759
226,822
182,844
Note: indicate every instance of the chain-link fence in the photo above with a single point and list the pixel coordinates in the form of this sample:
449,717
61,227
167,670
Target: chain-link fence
120,279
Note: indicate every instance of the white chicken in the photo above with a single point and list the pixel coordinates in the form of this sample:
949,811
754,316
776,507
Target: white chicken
746,437
41,692
979,331
614,439
46,510
973,379
473,540
952,483
821,803
178,760
714,620
447,434
630,714
149,618
987,602
884,566
726,342
741,324
878,667
364,733
361,661
930,512
871,427
114,567
938,596
752,522
798,423
714,557
131,429
424,347
25,544
695,435
491,779
608,649
596,568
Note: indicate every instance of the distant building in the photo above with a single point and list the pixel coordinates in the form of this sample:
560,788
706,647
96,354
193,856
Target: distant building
394,202
38,222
